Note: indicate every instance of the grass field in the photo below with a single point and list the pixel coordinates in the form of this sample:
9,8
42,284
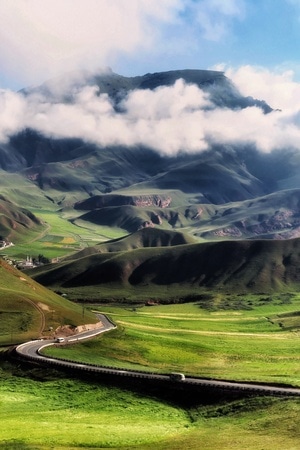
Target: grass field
251,345
252,338
61,413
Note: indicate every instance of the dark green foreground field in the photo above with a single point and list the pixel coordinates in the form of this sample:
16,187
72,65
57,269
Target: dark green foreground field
61,413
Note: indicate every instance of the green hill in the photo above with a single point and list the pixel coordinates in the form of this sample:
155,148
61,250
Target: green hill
29,310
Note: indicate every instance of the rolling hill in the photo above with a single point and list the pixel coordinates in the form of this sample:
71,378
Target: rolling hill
272,216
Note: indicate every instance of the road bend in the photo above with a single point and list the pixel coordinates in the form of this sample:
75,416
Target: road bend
32,351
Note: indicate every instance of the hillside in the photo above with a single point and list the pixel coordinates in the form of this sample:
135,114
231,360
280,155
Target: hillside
17,223
29,310
272,216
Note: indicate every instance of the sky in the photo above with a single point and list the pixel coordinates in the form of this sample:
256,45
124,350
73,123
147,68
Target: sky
44,38
255,43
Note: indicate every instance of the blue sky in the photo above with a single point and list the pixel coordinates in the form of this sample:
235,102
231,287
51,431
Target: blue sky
43,38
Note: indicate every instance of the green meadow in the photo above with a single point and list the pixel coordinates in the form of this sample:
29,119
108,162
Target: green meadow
257,344
67,414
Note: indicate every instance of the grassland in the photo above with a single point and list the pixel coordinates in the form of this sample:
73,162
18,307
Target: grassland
61,413
251,337
247,345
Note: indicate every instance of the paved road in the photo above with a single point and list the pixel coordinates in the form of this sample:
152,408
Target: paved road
32,351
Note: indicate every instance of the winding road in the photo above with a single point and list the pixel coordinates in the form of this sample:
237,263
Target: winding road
32,351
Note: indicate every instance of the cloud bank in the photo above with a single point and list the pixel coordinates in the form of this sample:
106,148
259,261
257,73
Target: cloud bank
170,120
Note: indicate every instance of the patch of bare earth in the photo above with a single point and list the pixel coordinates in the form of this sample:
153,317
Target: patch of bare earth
68,330
43,306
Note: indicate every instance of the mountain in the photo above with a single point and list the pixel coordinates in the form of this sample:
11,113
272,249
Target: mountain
222,91
225,217
224,192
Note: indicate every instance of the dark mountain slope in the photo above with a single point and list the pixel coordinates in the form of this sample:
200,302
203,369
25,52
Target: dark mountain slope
219,177
241,266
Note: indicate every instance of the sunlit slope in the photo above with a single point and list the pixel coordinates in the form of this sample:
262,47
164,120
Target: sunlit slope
240,266
29,310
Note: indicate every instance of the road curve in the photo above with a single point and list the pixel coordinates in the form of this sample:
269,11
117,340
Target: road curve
32,351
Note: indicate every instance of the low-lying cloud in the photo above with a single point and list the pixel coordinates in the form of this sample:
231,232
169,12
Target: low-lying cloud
170,119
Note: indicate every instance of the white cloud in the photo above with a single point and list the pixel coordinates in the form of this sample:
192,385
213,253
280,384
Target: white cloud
41,38
278,89
170,119
215,16
12,110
